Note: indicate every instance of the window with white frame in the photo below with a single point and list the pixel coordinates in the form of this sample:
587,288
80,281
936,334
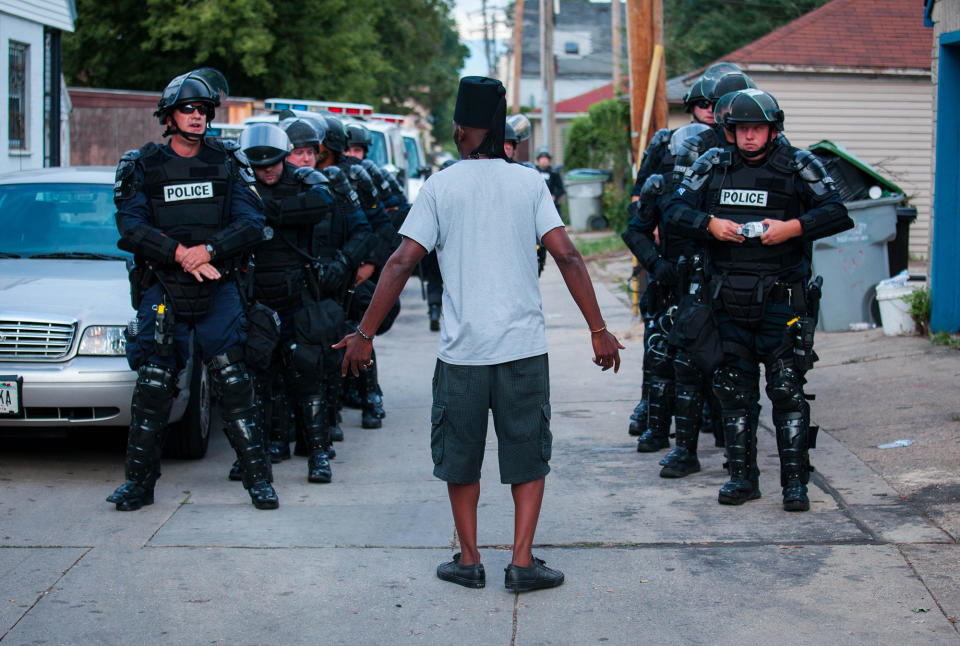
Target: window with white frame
17,106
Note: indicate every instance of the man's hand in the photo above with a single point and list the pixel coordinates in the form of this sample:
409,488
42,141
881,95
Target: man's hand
193,257
364,272
724,230
606,350
207,271
779,231
357,356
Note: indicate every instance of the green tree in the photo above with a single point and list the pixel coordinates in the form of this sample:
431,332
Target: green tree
382,52
697,32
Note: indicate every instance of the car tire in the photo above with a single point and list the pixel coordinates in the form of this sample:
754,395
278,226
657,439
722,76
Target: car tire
188,439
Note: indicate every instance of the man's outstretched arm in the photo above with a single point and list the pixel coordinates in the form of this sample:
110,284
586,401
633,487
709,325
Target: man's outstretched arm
606,348
392,279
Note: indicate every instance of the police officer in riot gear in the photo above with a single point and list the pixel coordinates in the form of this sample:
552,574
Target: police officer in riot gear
301,272
759,212
674,385
188,212
386,239
550,175
308,137
664,156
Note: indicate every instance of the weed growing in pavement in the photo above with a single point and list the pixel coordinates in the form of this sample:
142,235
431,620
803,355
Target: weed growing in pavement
952,341
919,302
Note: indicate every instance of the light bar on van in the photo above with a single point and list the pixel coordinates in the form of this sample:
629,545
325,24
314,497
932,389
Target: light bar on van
396,119
352,109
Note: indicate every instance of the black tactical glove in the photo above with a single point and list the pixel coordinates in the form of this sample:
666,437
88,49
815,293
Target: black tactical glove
334,277
665,272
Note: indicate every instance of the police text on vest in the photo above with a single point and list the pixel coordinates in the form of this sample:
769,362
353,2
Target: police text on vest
741,197
178,192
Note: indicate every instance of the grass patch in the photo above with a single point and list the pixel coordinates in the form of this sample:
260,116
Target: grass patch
595,246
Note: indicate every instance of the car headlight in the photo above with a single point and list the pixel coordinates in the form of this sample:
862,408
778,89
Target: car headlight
103,340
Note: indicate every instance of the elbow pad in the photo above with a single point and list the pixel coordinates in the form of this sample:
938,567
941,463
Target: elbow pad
377,175
699,172
148,242
826,220
691,222
642,247
236,238
342,189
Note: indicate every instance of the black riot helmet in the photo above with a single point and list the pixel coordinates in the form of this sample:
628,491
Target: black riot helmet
753,106
509,134
729,83
703,89
358,135
264,144
336,139
302,132
520,125
204,85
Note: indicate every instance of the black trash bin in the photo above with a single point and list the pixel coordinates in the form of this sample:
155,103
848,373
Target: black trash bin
898,249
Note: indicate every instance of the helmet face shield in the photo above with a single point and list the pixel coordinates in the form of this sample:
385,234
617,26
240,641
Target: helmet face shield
264,144
520,125
683,133
302,132
358,135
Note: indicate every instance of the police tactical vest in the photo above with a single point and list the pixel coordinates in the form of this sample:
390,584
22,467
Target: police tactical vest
189,198
305,225
672,246
749,270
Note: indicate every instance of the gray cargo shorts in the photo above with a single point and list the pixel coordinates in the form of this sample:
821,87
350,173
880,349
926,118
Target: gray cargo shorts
518,392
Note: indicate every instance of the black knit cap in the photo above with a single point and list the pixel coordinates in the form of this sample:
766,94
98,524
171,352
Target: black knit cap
482,103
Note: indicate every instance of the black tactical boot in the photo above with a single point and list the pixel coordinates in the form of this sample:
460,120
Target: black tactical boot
682,460
351,392
372,397
277,412
638,418
741,442
241,427
149,411
435,317
314,414
333,408
657,435
792,445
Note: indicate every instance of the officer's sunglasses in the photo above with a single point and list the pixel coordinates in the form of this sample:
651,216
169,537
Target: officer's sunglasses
703,104
189,108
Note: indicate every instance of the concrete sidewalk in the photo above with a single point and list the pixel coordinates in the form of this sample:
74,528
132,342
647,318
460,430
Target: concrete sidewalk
646,560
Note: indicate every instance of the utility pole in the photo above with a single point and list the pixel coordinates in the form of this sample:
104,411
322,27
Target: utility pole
486,38
517,53
615,29
547,70
644,34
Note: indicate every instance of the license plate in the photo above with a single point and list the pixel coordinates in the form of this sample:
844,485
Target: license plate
11,388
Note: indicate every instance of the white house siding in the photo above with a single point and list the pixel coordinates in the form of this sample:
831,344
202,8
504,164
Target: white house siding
883,120
53,13
30,33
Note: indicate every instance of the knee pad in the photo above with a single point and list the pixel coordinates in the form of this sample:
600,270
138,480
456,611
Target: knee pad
661,365
734,390
229,372
686,370
785,390
156,387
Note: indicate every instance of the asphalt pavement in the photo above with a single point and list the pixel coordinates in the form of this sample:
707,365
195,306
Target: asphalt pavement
646,560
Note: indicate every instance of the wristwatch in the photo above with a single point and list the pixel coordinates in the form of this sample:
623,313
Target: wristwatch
209,248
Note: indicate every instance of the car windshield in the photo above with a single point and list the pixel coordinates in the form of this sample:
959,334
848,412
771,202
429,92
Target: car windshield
378,149
59,220
413,157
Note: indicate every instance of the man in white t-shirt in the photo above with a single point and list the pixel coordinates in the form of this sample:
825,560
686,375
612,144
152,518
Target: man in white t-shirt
484,216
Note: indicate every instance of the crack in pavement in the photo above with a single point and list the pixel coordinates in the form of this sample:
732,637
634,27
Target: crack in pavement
43,594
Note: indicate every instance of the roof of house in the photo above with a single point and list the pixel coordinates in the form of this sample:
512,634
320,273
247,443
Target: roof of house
588,24
847,34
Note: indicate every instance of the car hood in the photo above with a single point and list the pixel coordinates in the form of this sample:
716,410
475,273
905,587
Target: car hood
93,292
